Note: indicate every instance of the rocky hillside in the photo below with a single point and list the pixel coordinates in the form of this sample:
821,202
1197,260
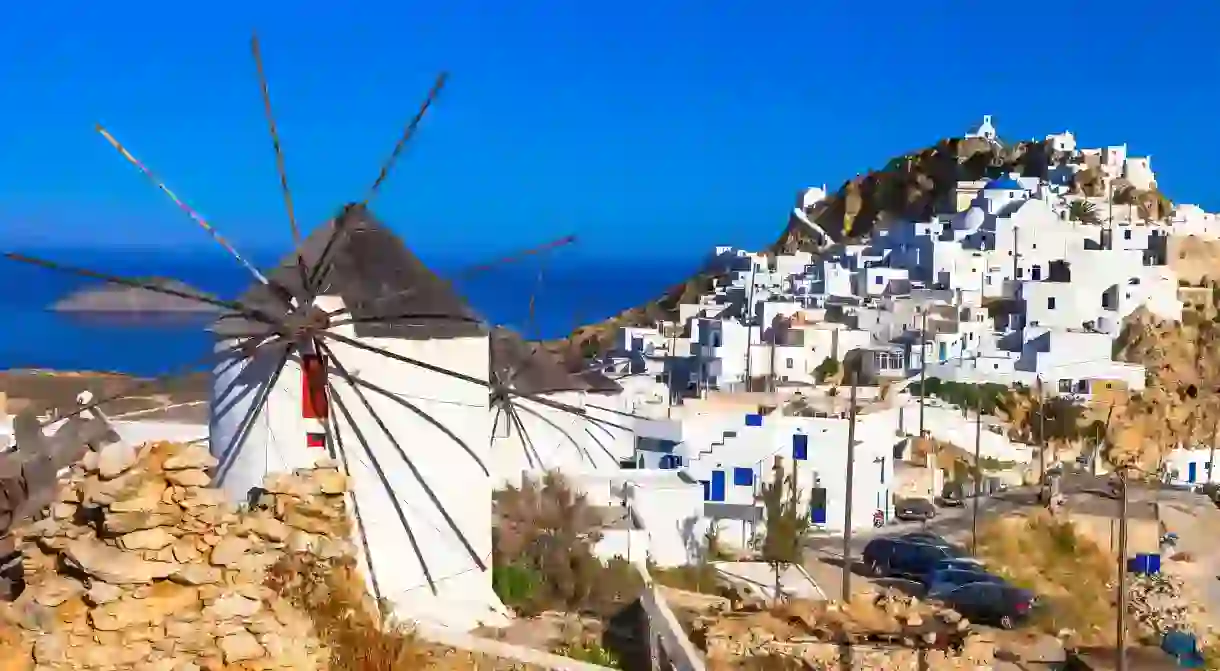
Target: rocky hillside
913,185
1180,404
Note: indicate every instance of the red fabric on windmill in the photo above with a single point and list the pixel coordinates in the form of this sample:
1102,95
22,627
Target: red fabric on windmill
314,405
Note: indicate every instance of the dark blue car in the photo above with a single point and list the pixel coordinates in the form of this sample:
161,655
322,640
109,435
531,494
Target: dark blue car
943,581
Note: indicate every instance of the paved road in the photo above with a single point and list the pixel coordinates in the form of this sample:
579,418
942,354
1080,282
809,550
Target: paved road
949,522
825,561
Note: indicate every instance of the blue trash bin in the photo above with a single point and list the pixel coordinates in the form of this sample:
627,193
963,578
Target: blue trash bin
1140,563
1154,563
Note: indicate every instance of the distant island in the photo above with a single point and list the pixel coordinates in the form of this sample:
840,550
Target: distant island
112,299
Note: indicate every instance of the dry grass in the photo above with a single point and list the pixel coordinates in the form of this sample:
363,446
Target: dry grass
1068,572
334,596
701,578
346,620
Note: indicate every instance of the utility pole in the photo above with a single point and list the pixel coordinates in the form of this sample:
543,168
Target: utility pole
923,391
923,363
853,369
978,474
1120,633
750,322
1041,433
670,361
771,366
1211,456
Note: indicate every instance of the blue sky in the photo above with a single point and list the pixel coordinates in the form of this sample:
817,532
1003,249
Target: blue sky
657,127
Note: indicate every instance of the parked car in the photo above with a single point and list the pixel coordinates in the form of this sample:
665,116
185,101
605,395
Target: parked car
943,581
960,564
924,537
997,604
952,497
929,538
911,510
892,557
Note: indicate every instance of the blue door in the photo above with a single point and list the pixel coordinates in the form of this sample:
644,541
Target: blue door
637,344
717,486
1192,471
800,447
942,351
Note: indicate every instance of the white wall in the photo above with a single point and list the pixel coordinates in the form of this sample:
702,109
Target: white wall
1181,462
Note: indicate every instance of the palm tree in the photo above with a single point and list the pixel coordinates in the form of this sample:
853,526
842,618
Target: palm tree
1083,211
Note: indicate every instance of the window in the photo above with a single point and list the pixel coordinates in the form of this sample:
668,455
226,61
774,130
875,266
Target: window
1035,273
1020,272
800,447
789,363
1065,386
1126,234
877,280
1050,302
743,477
753,420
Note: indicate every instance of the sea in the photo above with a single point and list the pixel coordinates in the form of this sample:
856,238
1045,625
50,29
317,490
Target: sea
567,292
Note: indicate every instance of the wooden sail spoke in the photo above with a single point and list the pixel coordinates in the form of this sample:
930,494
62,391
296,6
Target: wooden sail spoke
393,440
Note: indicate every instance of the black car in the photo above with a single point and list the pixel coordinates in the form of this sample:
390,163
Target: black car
926,537
910,510
899,558
997,604
941,581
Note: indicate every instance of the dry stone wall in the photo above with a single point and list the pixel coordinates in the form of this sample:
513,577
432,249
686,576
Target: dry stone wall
139,565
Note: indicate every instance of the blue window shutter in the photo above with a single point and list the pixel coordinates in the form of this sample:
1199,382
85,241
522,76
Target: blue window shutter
717,486
743,477
800,447
818,515
707,490
753,420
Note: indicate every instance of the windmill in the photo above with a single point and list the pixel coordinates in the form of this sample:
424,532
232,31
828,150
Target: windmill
351,349
529,437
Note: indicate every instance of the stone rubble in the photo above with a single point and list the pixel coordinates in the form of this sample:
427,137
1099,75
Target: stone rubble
886,631
139,566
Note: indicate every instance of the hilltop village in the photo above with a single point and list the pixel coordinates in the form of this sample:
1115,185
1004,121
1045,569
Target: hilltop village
1021,283
490,484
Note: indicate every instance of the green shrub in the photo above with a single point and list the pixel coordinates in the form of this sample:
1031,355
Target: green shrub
591,653
516,584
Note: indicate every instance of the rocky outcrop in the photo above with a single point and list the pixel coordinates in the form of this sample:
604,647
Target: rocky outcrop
885,631
123,299
139,565
1178,403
